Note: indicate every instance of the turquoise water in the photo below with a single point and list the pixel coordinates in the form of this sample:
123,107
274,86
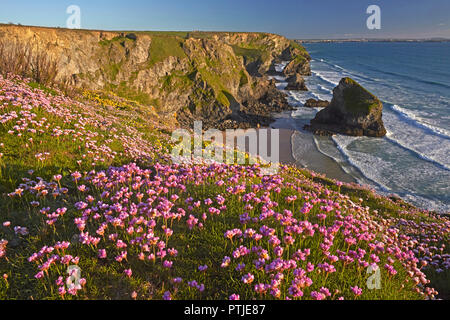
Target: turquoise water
413,81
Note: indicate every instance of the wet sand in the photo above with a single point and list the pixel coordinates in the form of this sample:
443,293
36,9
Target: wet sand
310,157
304,153
307,155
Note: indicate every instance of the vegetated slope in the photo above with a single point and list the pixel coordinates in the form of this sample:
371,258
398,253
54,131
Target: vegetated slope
89,183
217,77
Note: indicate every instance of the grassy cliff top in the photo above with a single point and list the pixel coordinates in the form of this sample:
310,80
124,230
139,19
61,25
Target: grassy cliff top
359,100
181,34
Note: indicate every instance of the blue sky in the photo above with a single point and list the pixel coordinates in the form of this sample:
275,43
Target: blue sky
292,18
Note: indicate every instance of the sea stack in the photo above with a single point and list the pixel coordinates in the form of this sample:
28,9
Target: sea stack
353,111
296,83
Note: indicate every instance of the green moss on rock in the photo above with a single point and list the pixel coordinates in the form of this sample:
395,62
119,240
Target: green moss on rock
124,91
163,47
176,81
117,39
357,99
243,79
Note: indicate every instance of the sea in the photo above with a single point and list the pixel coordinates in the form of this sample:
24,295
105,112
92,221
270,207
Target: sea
412,79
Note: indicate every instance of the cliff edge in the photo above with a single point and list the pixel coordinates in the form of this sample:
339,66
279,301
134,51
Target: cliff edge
217,77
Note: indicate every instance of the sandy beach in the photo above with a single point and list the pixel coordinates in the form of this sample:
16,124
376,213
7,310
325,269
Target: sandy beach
306,155
311,158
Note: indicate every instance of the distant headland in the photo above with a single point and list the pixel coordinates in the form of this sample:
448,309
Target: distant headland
373,40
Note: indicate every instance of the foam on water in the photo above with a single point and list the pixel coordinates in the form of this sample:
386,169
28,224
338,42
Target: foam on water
417,180
417,121
426,146
329,77
342,142
281,85
280,66
298,98
326,146
304,113
324,89
413,159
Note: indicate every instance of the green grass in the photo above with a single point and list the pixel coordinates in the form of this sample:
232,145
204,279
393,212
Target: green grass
177,81
299,49
163,47
244,78
300,59
113,70
219,74
358,100
196,247
114,40
20,153
48,90
123,90
105,279
251,55
180,34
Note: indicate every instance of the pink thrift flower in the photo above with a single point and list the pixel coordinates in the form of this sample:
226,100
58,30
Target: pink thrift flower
202,268
248,278
357,291
128,272
102,254
167,296
234,297
62,291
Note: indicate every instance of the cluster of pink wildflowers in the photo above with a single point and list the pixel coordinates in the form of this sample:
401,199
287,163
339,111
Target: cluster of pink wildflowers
291,238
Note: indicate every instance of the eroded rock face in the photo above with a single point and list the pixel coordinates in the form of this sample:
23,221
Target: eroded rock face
312,103
353,111
298,66
296,83
254,109
212,77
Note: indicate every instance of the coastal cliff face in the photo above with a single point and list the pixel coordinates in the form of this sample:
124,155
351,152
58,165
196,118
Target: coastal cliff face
215,77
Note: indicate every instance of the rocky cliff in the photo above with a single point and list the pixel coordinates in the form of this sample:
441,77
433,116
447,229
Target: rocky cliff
216,77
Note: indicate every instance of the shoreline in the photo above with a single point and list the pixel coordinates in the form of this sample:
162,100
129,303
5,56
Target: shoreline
313,159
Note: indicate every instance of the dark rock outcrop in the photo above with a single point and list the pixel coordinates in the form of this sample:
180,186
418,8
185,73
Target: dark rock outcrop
298,66
131,36
312,103
255,109
296,82
353,111
273,71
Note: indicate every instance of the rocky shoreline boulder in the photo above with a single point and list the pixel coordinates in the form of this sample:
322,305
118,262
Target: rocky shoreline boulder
299,65
353,111
312,103
296,82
